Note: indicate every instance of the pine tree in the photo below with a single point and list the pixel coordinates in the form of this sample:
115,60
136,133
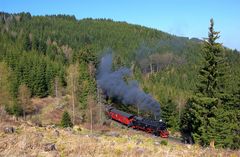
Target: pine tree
42,47
66,120
27,45
35,43
236,97
170,114
17,110
234,118
40,84
207,115
210,74
195,118
5,76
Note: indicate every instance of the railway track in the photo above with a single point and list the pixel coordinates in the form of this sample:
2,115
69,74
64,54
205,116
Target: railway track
169,139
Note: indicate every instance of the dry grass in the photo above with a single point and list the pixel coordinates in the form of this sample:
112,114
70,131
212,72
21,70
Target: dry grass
49,111
29,141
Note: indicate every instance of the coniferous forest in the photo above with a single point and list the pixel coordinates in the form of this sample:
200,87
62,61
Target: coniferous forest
196,81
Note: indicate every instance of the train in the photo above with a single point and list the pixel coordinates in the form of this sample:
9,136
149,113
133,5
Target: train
158,128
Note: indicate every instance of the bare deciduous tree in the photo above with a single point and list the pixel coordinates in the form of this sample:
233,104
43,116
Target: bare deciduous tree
72,80
93,109
91,106
24,96
58,88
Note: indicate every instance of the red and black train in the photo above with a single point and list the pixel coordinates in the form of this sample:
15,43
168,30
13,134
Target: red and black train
155,127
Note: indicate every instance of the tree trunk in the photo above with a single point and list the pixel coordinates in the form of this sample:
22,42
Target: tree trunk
56,87
99,104
151,68
73,101
24,115
100,113
91,119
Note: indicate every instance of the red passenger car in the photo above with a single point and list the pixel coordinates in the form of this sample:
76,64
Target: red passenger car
157,128
120,116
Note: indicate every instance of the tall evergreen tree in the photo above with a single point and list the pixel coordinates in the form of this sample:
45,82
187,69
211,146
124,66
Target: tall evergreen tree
170,114
40,84
5,76
236,96
35,43
210,74
27,45
207,116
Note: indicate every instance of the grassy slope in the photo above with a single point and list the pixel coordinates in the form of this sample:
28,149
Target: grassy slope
29,140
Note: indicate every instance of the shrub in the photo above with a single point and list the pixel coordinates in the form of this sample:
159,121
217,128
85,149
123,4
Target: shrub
164,142
66,120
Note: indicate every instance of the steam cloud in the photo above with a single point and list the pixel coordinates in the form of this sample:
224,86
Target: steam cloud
127,92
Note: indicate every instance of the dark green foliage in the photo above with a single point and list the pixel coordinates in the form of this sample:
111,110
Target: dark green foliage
196,116
224,127
15,109
8,109
87,85
35,70
27,45
87,55
66,120
210,115
164,142
170,114
236,97
211,72
234,116
39,44
25,16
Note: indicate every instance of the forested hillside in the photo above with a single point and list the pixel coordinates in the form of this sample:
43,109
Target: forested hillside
55,55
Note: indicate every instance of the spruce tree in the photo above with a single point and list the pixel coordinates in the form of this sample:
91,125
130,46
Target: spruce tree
235,118
27,45
210,74
35,43
17,109
40,84
170,114
66,120
207,117
236,97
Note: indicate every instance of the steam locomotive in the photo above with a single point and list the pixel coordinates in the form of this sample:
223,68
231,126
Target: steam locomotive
157,128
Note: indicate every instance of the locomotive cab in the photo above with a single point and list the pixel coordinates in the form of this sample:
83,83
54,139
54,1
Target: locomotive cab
158,128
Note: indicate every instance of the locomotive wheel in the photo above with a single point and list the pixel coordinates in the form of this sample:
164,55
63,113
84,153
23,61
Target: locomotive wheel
156,133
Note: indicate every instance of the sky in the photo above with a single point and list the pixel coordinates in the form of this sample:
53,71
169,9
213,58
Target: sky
188,18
